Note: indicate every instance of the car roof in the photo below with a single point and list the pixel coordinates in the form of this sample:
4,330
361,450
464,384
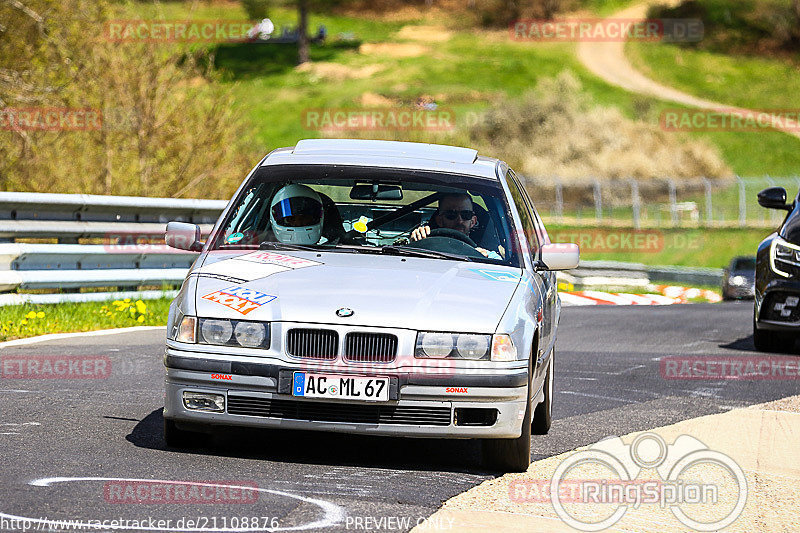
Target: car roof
392,154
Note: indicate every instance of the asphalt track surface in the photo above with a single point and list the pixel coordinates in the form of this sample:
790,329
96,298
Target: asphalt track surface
608,382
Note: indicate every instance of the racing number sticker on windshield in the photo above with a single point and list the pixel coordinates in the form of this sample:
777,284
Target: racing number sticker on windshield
240,299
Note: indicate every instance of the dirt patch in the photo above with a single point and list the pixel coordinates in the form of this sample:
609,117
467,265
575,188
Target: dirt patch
339,72
375,100
428,34
394,49
792,404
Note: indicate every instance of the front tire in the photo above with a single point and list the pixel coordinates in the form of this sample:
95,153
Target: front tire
512,455
178,438
543,414
772,341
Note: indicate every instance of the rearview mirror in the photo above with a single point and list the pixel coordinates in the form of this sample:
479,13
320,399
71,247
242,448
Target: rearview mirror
774,198
559,256
183,236
376,192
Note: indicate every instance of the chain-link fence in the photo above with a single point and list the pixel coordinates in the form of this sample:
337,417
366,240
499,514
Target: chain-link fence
659,203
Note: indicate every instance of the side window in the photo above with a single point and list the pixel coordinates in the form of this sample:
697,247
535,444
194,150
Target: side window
528,225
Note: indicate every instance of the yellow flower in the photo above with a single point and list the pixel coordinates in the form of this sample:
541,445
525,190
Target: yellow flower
141,307
40,314
24,322
140,319
32,314
127,300
117,302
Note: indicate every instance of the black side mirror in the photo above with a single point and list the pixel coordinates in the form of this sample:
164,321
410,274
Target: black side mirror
774,198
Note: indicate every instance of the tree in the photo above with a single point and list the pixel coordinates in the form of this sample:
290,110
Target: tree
302,32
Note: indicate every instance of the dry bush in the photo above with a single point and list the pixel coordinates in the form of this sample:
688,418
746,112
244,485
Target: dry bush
167,131
555,132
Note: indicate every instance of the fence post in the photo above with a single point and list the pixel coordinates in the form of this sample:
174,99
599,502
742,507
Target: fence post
598,201
742,202
636,203
709,207
673,202
559,200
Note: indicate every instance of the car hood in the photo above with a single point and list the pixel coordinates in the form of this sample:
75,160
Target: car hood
381,291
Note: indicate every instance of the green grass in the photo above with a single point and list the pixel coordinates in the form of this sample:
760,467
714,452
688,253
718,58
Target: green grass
712,248
751,82
464,74
20,321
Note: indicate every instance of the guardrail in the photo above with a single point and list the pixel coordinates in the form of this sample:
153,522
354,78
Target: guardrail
617,274
127,249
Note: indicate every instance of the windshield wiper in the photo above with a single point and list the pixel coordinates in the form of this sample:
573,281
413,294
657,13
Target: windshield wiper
418,252
271,245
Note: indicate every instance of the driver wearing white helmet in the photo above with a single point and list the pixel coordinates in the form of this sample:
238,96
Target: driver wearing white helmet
297,215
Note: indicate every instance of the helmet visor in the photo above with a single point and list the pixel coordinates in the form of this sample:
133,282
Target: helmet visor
297,212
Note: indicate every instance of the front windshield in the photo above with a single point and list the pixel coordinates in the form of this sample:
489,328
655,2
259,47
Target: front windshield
371,210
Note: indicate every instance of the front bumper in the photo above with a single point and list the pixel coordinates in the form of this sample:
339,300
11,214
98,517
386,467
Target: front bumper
445,404
771,310
739,291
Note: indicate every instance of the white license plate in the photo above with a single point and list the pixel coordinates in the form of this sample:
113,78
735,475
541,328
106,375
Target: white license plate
368,389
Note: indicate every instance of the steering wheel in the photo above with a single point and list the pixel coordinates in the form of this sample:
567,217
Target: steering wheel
453,234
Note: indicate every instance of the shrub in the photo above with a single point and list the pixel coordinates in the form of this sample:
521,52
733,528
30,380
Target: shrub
256,9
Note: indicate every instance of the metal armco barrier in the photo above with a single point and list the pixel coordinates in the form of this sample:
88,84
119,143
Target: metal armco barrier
128,249
613,273
132,253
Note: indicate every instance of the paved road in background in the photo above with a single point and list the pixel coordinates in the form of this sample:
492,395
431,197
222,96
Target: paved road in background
607,382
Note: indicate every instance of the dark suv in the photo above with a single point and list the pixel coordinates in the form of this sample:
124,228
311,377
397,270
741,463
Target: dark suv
776,319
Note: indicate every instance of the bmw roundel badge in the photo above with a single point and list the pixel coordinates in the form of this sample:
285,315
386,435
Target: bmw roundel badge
344,312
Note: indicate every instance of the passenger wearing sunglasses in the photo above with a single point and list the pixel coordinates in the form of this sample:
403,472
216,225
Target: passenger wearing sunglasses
455,212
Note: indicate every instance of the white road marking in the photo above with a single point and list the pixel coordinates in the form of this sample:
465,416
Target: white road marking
57,336
21,424
334,514
596,396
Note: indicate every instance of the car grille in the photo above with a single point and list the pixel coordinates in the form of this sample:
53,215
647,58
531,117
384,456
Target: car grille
312,343
370,347
338,412
775,307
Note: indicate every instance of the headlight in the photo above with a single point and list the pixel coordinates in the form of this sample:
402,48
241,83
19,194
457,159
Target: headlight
781,255
216,331
250,334
738,280
452,345
222,332
438,345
